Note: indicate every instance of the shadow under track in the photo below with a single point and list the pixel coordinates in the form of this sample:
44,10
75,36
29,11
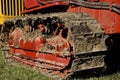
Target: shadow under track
112,60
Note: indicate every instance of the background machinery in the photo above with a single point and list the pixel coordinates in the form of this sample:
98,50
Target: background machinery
79,35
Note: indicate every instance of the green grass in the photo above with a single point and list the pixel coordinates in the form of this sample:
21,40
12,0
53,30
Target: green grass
115,76
112,76
19,72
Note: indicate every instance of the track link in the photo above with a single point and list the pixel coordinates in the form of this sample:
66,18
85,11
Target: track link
37,66
88,38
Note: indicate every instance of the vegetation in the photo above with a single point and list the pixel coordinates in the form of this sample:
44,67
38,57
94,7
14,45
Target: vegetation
115,76
18,72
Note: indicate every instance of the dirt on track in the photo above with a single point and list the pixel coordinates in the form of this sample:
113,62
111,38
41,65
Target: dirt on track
84,31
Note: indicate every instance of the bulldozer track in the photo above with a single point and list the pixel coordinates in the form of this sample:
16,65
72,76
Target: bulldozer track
35,65
88,38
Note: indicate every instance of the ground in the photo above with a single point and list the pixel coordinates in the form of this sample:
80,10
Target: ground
9,71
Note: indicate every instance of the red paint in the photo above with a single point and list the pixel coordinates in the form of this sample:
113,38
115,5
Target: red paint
111,1
29,44
109,21
19,52
44,6
30,4
107,18
38,43
21,43
12,49
30,48
53,59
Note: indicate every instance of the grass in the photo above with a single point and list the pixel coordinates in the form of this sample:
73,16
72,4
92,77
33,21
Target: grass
112,76
115,76
18,72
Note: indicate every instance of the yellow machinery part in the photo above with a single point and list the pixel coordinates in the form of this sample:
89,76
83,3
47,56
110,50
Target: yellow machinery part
10,9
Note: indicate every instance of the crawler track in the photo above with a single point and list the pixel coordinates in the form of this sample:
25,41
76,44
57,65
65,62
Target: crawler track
60,75
89,45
